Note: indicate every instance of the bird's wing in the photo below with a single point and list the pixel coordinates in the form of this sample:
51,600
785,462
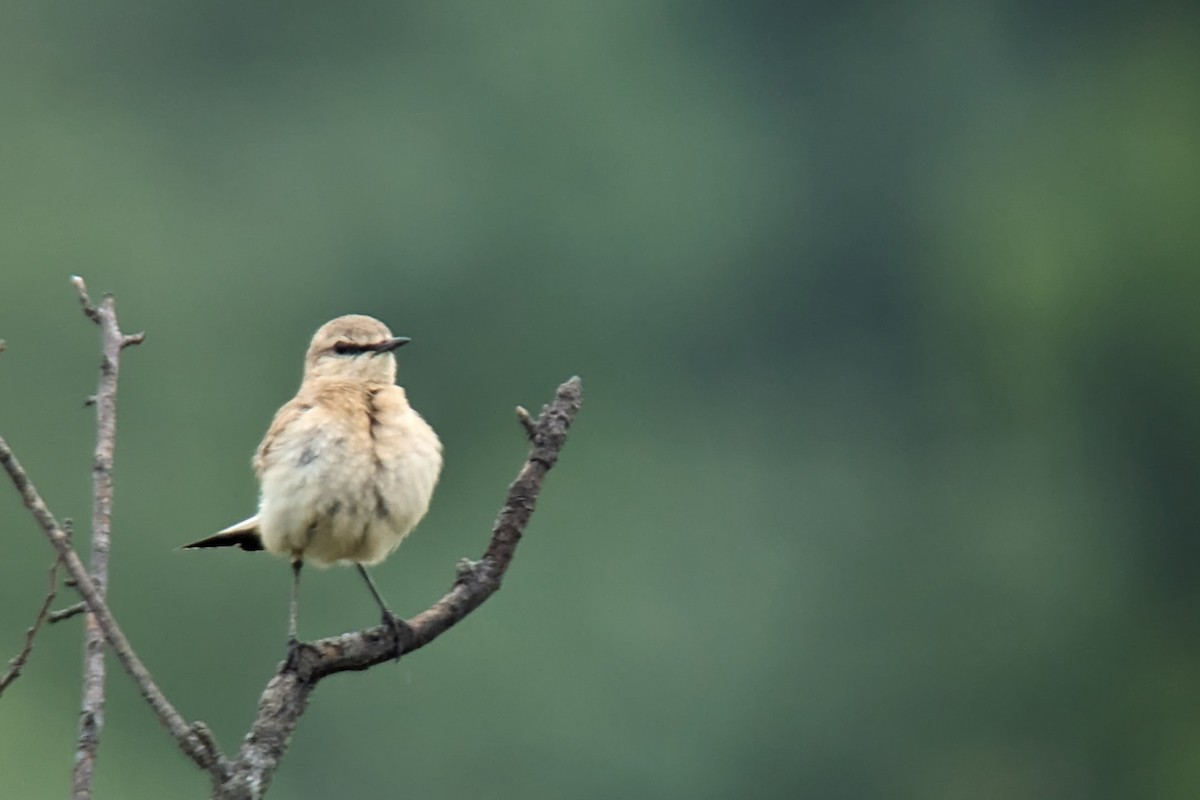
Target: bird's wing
244,535
288,414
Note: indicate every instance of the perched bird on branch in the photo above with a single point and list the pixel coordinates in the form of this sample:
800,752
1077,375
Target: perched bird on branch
347,468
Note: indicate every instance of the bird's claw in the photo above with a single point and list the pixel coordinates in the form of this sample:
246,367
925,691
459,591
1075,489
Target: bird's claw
295,650
402,632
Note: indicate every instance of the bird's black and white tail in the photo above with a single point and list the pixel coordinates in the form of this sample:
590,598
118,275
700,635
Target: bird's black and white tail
244,535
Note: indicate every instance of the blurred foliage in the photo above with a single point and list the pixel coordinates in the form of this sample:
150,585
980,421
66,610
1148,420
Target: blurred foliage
885,485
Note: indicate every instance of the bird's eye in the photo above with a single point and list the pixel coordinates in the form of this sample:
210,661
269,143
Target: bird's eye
344,348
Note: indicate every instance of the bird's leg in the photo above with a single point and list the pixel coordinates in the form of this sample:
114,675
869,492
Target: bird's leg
293,639
295,646
400,628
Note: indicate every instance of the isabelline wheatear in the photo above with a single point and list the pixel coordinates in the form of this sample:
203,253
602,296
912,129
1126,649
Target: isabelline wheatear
347,467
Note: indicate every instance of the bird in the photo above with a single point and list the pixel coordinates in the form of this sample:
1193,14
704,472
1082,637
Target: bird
347,468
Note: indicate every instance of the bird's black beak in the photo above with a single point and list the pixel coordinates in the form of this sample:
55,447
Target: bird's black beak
388,345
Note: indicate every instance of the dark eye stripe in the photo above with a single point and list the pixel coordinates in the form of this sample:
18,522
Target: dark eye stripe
353,348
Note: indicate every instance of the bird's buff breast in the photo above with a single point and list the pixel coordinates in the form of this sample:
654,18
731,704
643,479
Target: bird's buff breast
332,494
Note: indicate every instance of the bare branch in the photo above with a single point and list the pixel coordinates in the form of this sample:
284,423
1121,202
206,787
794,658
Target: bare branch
286,696
112,341
195,746
63,614
18,663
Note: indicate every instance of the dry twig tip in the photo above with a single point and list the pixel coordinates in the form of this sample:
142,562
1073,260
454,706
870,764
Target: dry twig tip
84,300
526,422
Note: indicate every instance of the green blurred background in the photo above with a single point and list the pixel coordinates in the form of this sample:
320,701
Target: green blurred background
885,483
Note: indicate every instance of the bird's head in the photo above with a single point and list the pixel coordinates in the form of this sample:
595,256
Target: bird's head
354,348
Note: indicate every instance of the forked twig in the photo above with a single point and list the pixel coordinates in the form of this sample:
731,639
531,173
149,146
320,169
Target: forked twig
18,662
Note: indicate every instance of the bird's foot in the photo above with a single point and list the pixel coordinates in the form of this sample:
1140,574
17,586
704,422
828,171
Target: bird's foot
402,632
295,652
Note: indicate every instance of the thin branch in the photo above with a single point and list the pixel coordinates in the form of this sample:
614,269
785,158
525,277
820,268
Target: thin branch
192,742
286,696
89,310
91,718
63,614
18,663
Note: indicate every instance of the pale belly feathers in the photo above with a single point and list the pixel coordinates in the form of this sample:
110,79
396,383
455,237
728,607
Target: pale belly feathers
329,495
